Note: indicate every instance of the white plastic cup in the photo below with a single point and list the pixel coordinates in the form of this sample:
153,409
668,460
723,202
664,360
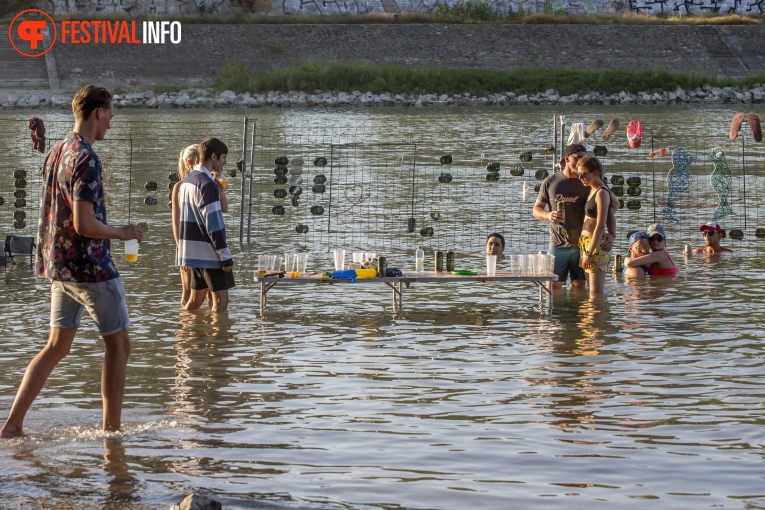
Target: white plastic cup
302,263
491,265
262,264
515,263
358,257
131,250
550,266
339,259
524,264
275,263
289,262
370,255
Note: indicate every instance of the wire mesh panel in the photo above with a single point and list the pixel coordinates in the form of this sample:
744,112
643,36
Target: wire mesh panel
371,182
138,155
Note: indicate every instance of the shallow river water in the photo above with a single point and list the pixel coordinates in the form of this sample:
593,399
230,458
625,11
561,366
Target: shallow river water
470,397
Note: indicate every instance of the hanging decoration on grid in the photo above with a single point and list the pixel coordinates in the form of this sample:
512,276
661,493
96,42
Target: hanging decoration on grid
721,181
679,179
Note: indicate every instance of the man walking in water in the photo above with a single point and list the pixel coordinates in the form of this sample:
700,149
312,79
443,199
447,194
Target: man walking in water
73,251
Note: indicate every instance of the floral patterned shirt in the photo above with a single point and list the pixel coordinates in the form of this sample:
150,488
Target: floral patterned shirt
72,172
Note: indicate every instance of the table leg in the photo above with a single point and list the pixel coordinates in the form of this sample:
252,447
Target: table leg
262,296
397,301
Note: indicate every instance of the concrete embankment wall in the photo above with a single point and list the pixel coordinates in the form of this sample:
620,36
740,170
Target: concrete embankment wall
730,50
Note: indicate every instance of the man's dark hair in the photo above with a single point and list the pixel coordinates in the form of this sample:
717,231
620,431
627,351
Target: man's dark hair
497,235
210,146
88,99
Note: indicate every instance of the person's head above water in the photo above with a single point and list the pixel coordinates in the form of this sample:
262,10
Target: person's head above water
638,242
495,244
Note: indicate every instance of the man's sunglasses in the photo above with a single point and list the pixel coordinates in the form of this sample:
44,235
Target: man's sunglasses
708,232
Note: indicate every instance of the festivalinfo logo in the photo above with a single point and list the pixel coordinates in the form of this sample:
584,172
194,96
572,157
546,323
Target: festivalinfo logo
33,33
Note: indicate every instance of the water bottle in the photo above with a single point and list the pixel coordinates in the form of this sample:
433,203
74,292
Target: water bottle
657,153
525,192
419,260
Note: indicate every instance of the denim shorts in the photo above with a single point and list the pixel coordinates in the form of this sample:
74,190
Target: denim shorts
567,263
105,302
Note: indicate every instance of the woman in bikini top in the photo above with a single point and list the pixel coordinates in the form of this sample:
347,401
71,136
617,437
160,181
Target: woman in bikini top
592,258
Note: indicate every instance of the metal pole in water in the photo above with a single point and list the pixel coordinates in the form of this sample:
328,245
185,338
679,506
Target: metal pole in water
252,178
555,143
244,174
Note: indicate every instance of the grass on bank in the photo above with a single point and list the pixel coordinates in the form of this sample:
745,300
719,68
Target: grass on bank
350,76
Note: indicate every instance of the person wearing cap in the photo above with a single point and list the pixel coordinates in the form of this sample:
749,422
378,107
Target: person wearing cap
659,261
638,246
713,234
495,245
566,228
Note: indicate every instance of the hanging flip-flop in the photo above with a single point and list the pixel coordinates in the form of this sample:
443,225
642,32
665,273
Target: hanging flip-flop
735,126
596,124
634,133
754,123
611,129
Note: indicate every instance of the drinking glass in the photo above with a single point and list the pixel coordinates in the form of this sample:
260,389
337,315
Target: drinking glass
289,262
515,263
131,250
524,264
491,265
370,255
358,257
274,264
550,264
262,264
302,263
339,259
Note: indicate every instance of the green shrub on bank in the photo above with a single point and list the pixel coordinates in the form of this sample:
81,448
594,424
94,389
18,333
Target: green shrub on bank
350,76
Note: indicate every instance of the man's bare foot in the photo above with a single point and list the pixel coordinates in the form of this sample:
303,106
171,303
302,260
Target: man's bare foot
11,431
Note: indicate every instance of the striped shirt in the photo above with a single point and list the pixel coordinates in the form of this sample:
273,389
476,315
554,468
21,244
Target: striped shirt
202,233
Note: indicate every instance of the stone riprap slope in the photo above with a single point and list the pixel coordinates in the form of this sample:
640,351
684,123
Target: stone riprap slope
205,98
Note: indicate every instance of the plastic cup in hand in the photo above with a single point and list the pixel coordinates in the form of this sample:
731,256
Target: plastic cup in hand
302,263
262,264
131,250
339,259
491,265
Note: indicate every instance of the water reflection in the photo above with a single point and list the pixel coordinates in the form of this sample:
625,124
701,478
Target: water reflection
202,367
121,483
472,397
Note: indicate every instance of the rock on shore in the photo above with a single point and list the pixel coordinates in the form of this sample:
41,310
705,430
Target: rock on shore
207,98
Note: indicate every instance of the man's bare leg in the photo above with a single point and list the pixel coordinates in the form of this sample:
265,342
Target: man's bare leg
196,300
37,373
113,378
219,301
